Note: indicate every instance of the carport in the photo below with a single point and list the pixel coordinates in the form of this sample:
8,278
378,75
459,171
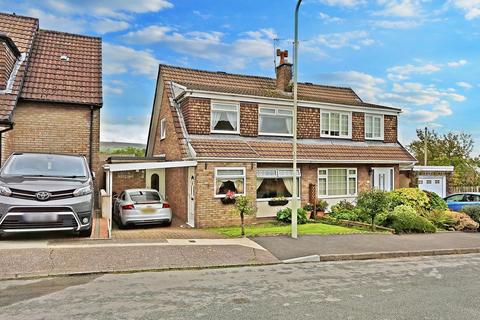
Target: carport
110,168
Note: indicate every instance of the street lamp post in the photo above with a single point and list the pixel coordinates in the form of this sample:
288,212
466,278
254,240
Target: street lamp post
294,142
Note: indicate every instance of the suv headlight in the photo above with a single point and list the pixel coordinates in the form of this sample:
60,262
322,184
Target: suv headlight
82,191
5,191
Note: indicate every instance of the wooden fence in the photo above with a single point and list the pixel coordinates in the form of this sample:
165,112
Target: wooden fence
465,189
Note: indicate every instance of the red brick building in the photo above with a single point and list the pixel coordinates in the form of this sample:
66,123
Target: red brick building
50,90
239,130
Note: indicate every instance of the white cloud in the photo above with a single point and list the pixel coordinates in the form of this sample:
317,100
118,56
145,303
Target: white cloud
114,87
458,63
403,72
400,8
131,129
329,19
119,59
105,25
464,85
52,22
395,24
350,39
202,15
251,47
471,8
343,3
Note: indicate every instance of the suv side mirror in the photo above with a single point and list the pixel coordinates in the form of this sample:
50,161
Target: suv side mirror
93,175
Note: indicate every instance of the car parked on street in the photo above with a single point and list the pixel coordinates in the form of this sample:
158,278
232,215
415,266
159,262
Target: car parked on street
46,192
141,207
457,201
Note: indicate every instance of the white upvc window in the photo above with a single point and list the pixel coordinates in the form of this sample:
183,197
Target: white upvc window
163,129
229,179
335,124
373,127
337,182
225,117
273,183
275,121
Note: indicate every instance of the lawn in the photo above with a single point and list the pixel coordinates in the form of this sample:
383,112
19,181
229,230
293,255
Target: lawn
275,228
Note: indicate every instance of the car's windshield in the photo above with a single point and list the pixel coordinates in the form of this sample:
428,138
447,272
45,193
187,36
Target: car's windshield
142,196
45,165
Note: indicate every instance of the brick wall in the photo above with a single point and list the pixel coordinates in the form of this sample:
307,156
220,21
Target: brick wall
196,112
209,211
249,119
7,63
128,180
391,127
358,126
308,123
176,189
45,127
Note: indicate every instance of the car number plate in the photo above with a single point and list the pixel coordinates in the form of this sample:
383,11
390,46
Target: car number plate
31,217
148,210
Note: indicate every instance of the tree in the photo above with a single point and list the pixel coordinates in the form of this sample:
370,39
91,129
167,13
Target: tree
373,203
244,207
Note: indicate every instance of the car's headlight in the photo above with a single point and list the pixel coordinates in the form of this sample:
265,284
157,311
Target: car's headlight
82,191
4,191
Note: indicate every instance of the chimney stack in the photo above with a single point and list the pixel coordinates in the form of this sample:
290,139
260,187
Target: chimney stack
284,72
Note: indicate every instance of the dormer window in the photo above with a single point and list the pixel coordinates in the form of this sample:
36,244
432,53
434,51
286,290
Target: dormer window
225,117
275,121
373,127
335,124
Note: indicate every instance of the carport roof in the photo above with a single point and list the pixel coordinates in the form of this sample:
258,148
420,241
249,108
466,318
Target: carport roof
114,167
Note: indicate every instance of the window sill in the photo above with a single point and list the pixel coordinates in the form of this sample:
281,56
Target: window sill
275,134
225,132
375,139
336,137
337,197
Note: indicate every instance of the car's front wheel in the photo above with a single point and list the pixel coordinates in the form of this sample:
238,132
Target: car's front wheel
85,233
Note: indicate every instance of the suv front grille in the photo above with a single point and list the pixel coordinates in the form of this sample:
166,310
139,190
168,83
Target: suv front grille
12,222
31,195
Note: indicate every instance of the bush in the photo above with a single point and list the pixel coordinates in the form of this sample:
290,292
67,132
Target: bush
322,205
342,206
441,219
412,197
285,215
344,214
372,203
435,202
473,212
463,221
404,219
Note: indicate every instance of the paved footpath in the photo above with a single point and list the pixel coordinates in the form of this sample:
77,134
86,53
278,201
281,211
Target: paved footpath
20,259
369,246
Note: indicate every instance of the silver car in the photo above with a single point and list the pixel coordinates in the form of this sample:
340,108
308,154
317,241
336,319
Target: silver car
46,192
141,207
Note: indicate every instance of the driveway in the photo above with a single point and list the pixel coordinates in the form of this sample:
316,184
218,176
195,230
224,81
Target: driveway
284,247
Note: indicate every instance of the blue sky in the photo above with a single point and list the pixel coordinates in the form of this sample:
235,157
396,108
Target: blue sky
420,55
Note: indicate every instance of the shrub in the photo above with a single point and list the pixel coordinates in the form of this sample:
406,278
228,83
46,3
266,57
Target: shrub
412,197
322,205
243,206
404,219
441,219
285,215
372,204
342,206
435,202
345,214
463,221
473,212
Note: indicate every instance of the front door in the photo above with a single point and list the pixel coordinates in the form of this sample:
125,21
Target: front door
383,179
191,197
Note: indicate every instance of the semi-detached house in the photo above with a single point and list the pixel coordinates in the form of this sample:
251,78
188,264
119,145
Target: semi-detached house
238,128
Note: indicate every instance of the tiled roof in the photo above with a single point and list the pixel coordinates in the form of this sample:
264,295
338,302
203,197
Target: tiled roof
75,79
21,30
307,151
259,86
42,76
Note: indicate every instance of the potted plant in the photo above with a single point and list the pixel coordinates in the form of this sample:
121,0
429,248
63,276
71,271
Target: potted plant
308,207
229,198
278,201
321,207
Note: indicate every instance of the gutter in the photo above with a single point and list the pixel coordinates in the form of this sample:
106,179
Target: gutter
286,160
90,158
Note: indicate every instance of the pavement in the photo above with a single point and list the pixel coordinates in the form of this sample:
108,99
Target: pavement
369,246
440,288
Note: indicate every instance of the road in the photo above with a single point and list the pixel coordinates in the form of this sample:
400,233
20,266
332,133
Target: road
445,287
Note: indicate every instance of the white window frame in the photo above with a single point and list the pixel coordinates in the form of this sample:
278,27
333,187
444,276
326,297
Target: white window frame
340,136
276,108
382,126
163,128
236,105
215,195
321,196
277,174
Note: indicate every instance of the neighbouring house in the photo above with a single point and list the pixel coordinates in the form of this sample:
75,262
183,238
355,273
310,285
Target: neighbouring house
436,179
50,90
238,131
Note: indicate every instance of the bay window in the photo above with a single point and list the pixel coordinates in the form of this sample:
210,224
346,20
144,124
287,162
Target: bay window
335,124
337,182
373,127
275,121
225,117
229,179
272,183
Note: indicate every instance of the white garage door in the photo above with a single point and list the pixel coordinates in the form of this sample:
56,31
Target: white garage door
433,183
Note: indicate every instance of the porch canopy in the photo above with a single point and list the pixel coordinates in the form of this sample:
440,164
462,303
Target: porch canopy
109,168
